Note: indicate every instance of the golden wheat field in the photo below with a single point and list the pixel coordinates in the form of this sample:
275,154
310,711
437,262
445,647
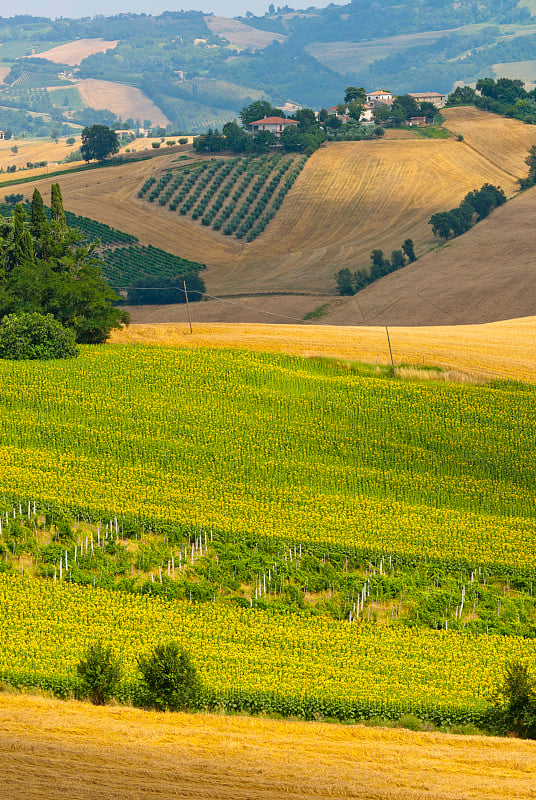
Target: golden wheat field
496,350
52,749
503,142
33,151
73,53
124,101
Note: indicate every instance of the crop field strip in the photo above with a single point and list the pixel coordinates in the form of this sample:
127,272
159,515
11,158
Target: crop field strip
341,191
226,194
244,420
255,660
136,754
223,444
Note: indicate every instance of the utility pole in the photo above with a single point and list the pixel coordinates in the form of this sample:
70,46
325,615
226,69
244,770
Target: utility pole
188,306
390,351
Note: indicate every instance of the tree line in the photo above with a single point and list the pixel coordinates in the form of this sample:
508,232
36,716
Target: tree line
349,283
475,206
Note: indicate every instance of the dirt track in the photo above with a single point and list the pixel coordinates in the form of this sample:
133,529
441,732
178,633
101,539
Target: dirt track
54,750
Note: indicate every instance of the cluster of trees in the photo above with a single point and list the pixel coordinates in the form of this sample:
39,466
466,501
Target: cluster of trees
349,283
404,107
475,206
504,96
306,137
169,679
44,268
158,290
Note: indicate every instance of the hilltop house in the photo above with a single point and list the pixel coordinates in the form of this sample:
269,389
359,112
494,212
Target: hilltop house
380,96
436,98
275,125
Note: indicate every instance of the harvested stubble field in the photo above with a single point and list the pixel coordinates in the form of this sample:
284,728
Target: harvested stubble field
73,53
241,35
53,749
124,101
33,151
500,350
503,142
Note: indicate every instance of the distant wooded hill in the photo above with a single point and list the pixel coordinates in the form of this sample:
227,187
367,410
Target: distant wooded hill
200,70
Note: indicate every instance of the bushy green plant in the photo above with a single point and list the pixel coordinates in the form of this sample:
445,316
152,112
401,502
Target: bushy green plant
31,335
169,677
516,701
100,672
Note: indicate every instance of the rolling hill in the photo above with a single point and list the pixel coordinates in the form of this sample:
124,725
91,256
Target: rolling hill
351,197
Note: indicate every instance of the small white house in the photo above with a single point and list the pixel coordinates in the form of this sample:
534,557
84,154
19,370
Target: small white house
275,125
380,96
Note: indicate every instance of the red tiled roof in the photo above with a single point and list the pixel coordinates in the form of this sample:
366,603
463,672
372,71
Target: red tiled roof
274,121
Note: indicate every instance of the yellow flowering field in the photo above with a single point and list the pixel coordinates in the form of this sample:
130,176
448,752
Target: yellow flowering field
276,446
306,662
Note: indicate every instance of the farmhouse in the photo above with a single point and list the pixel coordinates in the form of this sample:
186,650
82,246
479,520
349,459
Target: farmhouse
275,125
436,98
417,121
380,96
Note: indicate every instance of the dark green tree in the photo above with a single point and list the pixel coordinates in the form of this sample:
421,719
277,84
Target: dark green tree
169,677
462,96
56,205
380,265
345,283
100,673
235,137
409,249
98,142
45,268
530,161
356,94
516,701
263,141
30,335
397,260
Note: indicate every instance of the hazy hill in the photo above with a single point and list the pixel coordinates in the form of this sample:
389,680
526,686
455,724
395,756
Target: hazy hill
199,70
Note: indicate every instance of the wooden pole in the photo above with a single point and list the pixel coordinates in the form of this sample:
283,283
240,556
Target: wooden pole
187,305
390,351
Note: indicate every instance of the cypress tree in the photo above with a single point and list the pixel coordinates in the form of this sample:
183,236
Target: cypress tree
56,205
39,226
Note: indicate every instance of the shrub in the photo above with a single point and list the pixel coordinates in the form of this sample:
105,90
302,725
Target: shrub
100,673
169,677
156,145
516,702
183,140
35,336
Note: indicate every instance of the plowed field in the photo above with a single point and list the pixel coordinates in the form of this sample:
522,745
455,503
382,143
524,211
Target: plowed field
51,750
